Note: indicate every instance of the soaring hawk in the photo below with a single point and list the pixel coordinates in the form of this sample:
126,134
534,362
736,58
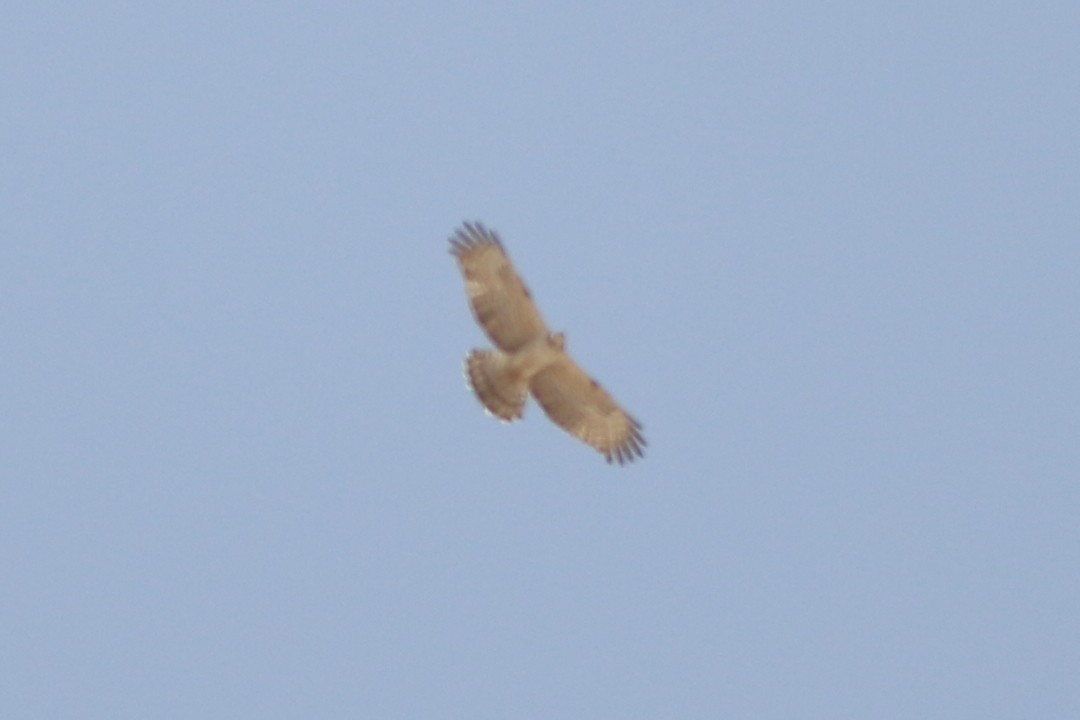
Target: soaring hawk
531,359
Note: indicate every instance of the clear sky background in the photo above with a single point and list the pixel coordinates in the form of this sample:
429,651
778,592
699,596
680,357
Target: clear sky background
828,253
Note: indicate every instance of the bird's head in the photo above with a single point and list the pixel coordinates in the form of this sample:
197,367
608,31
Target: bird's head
557,340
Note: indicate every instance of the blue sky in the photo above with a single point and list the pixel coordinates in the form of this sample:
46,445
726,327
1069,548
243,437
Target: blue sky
828,253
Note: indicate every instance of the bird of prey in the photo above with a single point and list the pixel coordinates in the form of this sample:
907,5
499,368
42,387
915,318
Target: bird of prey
529,358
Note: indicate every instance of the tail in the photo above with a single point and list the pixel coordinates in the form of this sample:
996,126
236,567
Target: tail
500,393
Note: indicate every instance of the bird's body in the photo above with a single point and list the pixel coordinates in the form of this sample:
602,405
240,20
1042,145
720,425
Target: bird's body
529,358
501,380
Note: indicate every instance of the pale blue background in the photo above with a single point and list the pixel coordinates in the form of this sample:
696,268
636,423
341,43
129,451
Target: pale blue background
829,253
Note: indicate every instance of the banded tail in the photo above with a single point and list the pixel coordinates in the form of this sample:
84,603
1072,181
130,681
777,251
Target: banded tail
499,391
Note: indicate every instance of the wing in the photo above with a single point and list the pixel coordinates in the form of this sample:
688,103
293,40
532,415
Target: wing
578,404
499,299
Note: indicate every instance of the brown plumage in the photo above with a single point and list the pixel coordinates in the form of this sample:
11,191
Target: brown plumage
529,358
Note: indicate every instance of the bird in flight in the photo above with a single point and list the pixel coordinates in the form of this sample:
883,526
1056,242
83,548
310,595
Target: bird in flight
529,358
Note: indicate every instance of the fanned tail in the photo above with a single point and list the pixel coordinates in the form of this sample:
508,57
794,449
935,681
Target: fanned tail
486,371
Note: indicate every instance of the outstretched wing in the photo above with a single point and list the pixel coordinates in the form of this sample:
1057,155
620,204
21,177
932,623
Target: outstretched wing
578,404
499,298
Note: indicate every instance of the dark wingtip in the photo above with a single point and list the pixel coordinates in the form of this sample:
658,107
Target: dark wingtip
472,235
631,449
